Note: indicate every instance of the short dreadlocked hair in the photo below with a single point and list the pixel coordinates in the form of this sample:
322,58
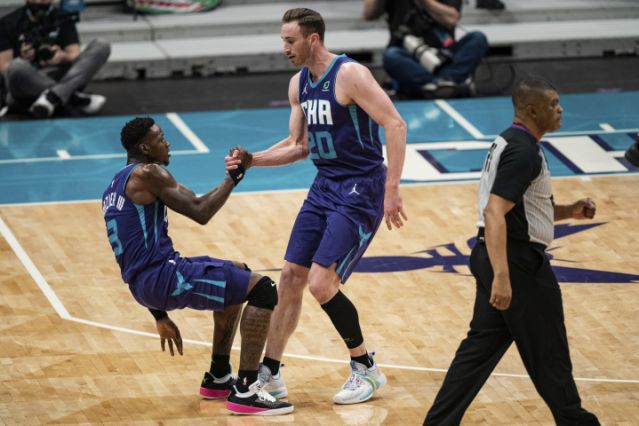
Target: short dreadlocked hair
134,131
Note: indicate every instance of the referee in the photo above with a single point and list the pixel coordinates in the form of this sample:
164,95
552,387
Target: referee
518,298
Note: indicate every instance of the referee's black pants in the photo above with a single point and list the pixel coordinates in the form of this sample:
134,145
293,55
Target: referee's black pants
534,321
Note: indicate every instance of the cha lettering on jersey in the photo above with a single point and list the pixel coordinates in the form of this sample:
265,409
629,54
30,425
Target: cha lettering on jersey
317,111
112,199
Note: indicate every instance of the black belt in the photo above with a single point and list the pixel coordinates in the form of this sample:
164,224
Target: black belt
481,238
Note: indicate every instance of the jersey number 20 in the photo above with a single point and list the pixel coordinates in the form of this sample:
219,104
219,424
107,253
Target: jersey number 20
321,146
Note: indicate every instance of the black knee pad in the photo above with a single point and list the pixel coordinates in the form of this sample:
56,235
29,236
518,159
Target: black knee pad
264,294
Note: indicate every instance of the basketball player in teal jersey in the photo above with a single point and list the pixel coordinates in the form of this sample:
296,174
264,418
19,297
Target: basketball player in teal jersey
336,110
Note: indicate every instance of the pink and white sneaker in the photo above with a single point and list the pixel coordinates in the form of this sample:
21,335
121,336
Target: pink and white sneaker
256,402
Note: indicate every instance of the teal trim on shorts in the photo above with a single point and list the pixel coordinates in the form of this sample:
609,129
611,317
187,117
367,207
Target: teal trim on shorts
341,266
221,284
363,238
208,296
182,285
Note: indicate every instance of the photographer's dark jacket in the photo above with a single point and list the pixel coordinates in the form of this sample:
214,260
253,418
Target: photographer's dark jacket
16,23
404,13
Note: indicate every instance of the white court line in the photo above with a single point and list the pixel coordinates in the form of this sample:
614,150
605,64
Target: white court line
607,127
64,314
459,118
33,271
63,154
187,132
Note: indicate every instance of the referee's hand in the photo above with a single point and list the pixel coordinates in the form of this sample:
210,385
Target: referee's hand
501,293
583,209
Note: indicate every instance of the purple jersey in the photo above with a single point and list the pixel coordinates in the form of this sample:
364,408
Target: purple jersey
343,139
137,233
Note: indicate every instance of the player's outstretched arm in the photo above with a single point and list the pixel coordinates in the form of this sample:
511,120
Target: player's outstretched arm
237,162
355,83
295,146
152,180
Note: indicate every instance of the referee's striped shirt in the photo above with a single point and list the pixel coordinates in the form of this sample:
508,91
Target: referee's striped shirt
516,169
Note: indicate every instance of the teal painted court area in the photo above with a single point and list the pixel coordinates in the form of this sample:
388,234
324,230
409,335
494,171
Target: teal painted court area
75,159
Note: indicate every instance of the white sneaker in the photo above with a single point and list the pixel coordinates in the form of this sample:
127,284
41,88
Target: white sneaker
273,384
90,103
361,384
42,107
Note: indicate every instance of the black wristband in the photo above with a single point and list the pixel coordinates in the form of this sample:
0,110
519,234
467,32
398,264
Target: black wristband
237,174
157,314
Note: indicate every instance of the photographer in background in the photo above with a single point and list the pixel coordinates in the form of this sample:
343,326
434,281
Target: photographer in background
41,62
423,58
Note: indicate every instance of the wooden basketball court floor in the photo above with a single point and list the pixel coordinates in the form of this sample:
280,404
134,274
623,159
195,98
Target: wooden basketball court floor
75,348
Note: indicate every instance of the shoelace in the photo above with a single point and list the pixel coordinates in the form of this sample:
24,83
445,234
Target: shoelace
353,382
265,396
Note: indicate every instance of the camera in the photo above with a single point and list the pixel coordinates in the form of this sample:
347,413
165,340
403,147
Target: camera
423,38
43,33
44,52
429,57
41,43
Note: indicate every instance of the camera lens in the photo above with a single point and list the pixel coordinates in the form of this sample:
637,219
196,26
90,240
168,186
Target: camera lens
44,52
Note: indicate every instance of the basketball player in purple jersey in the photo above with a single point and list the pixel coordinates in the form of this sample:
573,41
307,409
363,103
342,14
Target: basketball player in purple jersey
336,110
135,211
